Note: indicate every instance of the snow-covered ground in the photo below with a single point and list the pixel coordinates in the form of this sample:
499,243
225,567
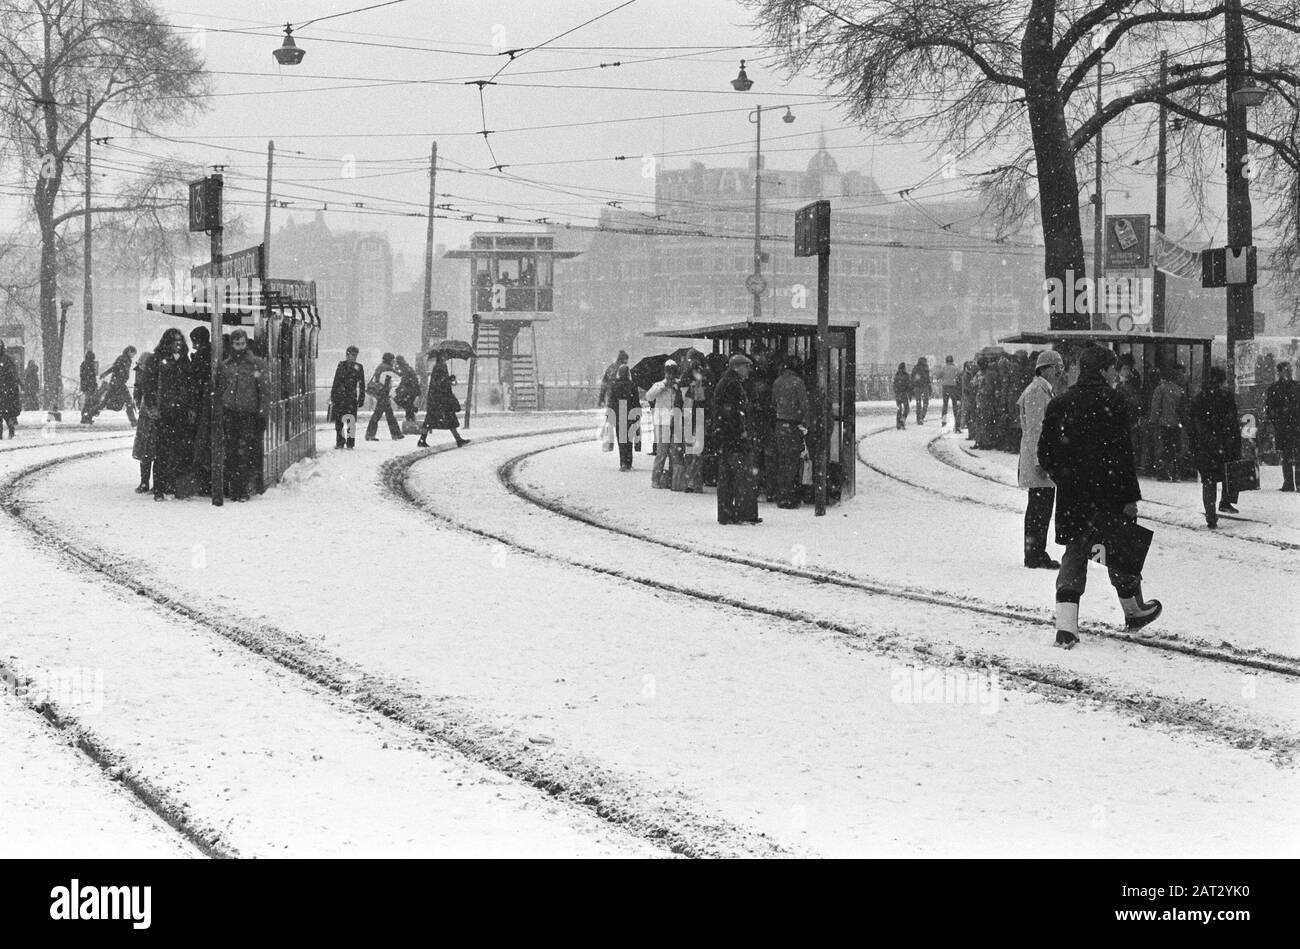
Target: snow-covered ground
734,708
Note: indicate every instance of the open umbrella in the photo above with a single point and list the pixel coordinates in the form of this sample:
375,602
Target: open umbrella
452,349
648,371
685,353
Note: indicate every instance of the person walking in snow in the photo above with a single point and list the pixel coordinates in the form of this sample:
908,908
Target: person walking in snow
31,387
113,394
347,395
1282,403
381,387
1086,450
1031,406
921,388
173,389
407,394
607,380
11,394
1215,438
88,383
902,395
737,497
948,378
623,413
441,405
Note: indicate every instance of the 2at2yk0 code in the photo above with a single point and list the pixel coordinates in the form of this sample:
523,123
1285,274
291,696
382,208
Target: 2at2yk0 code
1197,890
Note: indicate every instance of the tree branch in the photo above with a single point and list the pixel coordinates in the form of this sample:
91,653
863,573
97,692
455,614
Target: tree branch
1118,106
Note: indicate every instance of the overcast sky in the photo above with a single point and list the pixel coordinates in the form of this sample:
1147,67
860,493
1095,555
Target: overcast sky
359,101
355,120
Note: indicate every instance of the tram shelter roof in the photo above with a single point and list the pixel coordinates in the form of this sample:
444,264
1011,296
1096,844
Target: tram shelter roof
751,328
1043,337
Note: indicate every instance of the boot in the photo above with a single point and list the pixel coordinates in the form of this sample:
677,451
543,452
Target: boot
1227,508
422,443
1137,613
461,442
1067,623
352,443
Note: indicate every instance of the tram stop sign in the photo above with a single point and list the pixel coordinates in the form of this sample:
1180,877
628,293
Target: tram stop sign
205,204
812,229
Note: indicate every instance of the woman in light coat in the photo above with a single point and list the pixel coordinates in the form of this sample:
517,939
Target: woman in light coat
1031,406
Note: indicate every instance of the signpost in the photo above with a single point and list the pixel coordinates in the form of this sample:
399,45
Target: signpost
812,237
205,215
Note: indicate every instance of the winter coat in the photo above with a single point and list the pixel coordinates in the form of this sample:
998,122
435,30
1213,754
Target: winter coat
117,396
947,376
624,409
730,408
921,381
32,387
348,393
172,384
387,377
1086,449
1282,403
790,398
1213,432
607,383
441,405
1031,407
986,409
1168,405
408,389
244,384
666,397
89,375
902,386
11,390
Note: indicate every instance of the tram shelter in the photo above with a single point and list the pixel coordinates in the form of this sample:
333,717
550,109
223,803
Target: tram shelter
283,326
799,337
1154,354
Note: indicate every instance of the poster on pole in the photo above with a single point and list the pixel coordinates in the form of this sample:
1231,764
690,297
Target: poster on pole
1244,363
1128,241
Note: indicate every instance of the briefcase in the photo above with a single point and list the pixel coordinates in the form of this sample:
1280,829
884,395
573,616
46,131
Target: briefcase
1119,542
1242,475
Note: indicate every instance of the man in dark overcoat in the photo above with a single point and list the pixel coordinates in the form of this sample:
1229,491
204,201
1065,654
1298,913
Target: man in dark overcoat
1086,449
347,395
732,437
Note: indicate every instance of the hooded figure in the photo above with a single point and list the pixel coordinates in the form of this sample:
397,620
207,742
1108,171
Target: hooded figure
31,387
88,383
11,393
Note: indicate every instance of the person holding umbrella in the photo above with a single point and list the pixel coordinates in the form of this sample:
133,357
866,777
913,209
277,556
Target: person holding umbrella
441,405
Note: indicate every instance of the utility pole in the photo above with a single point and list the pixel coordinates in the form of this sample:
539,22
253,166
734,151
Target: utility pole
1098,267
266,222
756,282
88,297
1162,171
1241,296
428,247
215,300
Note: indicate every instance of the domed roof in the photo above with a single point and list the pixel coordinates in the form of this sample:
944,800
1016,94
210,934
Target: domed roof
823,163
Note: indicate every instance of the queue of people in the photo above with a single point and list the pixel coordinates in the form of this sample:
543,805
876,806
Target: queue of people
172,389
738,422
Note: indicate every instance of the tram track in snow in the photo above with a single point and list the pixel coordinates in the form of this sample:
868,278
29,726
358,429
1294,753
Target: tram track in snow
668,820
1053,682
1256,660
984,502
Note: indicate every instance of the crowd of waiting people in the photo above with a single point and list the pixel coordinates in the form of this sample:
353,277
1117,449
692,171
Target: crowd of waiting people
739,422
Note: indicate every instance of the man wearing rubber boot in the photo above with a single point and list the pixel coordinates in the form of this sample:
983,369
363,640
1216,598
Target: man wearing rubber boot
1086,449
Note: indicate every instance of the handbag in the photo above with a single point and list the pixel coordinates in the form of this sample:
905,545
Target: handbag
1242,475
1119,542
374,387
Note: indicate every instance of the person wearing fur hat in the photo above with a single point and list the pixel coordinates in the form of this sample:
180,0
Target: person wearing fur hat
1086,450
1049,369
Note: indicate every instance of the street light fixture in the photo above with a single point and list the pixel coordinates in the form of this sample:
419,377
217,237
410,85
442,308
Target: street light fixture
288,54
788,117
742,82
1249,96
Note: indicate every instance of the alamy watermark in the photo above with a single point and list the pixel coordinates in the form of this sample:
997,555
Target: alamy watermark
1121,294
70,688
917,685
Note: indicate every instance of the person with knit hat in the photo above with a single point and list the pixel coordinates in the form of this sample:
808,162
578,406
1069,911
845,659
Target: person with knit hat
1049,370
1086,450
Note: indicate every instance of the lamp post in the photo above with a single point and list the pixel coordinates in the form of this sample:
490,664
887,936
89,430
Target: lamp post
755,282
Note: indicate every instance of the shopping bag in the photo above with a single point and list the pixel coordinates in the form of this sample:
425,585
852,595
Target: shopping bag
1241,475
1119,542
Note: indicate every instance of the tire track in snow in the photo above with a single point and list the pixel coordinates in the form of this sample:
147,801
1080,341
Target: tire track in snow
667,820
1199,715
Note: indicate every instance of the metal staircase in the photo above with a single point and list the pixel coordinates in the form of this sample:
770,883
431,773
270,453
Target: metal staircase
524,382
517,368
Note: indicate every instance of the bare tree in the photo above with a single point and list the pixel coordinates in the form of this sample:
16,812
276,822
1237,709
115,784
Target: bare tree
1010,78
62,64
